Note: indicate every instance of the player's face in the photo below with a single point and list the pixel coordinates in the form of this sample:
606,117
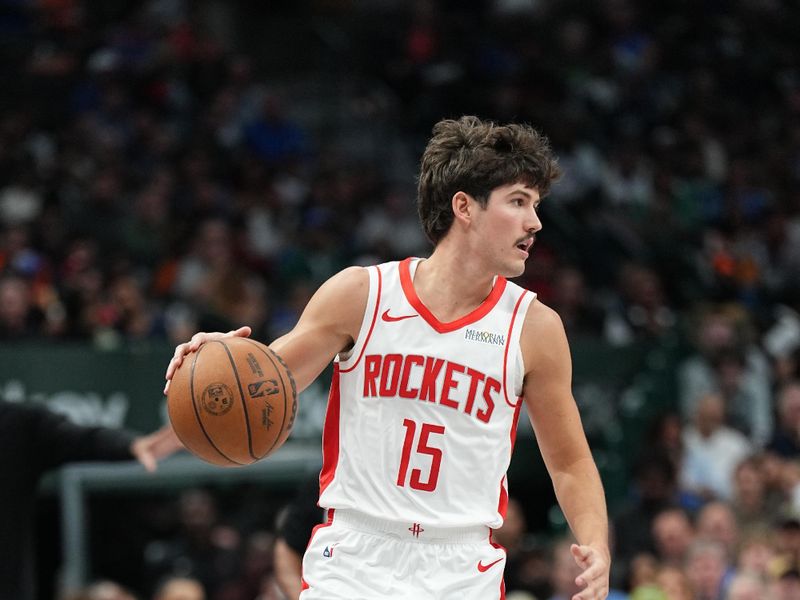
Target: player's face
508,226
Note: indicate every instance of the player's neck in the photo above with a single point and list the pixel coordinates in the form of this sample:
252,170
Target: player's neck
450,285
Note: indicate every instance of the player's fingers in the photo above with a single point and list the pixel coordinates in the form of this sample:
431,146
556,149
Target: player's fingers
166,387
177,356
177,359
198,339
589,575
586,578
580,553
172,367
148,460
591,593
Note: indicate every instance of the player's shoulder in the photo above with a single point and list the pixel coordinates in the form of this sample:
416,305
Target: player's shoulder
542,322
350,280
543,341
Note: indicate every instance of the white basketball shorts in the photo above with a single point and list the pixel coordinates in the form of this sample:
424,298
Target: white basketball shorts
357,557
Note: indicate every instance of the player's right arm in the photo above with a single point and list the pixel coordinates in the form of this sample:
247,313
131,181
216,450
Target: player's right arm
329,324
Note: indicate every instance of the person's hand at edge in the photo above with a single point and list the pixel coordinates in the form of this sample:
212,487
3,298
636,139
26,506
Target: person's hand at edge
149,449
198,339
594,578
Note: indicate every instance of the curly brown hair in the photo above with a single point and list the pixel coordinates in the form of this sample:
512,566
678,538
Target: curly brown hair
474,156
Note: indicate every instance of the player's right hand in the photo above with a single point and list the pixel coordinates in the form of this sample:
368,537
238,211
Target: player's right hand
198,339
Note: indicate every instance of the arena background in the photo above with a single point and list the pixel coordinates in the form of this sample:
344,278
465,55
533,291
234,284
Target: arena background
169,166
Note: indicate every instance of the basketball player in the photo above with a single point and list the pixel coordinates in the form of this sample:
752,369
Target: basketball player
432,360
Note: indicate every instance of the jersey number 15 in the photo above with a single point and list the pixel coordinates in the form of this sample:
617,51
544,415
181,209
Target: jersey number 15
426,430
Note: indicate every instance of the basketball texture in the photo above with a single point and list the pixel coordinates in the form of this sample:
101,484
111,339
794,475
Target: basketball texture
232,402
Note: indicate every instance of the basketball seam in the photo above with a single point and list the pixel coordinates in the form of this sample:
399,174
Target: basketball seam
197,412
283,419
283,383
244,402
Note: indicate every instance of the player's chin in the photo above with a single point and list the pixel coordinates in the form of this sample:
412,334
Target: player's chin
513,269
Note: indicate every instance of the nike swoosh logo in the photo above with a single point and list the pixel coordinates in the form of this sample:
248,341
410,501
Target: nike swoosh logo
389,319
483,568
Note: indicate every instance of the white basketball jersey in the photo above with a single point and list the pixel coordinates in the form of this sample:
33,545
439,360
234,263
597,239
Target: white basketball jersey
422,414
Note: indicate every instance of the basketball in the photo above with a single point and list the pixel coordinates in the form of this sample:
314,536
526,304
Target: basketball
232,402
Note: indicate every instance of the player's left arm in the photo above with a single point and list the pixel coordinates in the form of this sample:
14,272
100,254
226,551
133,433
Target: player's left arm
557,424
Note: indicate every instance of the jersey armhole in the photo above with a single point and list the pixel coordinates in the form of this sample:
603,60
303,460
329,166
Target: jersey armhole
516,378
349,359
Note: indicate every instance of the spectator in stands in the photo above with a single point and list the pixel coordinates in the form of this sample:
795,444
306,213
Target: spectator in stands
674,583
654,490
787,585
575,304
129,313
706,567
203,547
20,318
726,364
756,554
787,543
747,587
711,451
389,229
673,533
273,136
642,580
179,588
753,505
34,440
209,260
781,341
256,576
666,436
717,522
785,440
627,180
641,311
104,590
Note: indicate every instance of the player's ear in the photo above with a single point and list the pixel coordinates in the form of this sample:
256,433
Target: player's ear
463,206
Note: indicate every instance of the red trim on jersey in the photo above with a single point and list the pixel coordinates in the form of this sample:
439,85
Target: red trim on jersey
371,326
481,311
502,505
502,579
303,583
508,343
330,434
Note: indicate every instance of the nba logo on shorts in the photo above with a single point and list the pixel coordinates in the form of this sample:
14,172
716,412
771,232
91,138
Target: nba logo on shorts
328,552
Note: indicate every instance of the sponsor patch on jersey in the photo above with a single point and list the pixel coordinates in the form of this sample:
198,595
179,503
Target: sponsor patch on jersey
487,337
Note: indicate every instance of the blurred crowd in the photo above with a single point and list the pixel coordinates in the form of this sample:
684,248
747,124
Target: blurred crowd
160,175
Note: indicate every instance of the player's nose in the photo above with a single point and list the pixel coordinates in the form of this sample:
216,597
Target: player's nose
532,221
